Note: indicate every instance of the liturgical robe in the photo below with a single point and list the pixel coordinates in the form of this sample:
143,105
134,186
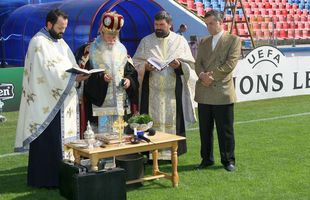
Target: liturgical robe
98,93
166,95
48,115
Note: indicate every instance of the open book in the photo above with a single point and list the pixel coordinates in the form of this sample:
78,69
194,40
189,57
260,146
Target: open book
78,70
159,64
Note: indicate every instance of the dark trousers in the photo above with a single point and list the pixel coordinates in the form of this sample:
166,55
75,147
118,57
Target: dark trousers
223,116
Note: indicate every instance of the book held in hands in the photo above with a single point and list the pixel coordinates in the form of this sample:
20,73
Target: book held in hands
159,64
77,70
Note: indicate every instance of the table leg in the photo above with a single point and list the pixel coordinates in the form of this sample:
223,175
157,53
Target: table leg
77,157
174,159
155,162
94,163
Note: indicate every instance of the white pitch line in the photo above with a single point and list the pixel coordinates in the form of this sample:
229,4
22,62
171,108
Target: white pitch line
13,154
264,119
193,129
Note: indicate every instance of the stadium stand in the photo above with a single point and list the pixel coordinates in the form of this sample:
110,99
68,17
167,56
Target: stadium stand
270,20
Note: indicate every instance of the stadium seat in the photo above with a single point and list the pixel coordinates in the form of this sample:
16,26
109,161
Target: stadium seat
305,12
301,25
191,5
183,1
298,34
305,33
283,34
263,25
267,34
200,11
289,18
279,25
290,33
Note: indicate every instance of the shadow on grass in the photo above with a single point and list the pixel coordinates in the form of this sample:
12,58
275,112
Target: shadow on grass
166,167
14,186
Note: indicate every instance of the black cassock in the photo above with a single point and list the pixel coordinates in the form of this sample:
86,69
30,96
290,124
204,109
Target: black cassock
144,106
95,89
45,154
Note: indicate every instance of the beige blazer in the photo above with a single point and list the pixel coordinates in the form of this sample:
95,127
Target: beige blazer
222,61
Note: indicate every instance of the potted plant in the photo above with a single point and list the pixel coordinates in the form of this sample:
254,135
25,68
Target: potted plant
140,122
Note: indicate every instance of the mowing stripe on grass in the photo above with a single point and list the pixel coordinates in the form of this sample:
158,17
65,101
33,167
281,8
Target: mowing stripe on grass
264,119
13,154
193,129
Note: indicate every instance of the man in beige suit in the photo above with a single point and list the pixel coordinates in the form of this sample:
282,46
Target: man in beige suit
216,59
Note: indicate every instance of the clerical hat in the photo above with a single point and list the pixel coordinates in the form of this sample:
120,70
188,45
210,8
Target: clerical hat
111,23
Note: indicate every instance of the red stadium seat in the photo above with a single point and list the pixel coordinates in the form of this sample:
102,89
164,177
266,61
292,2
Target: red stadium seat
290,33
267,34
298,34
296,18
301,25
270,25
191,5
279,25
305,12
288,6
285,25
280,6
183,1
289,18
283,34
263,25
200,11
305,34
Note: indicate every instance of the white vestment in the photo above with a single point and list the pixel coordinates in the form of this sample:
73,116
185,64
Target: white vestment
47,89
111,58
162,84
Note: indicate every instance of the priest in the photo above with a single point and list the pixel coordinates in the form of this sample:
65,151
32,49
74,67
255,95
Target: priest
48,115
165,94
106,89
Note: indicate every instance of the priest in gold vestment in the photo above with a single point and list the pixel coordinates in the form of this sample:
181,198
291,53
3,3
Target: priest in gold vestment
166,95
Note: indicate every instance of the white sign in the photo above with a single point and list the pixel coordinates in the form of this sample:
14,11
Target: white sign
266,73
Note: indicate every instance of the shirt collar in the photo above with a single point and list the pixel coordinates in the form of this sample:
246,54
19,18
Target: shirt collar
218,35
45,32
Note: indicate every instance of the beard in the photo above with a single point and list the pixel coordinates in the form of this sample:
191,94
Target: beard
161,33
55,35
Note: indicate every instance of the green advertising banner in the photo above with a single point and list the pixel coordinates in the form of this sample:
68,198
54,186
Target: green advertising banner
10,88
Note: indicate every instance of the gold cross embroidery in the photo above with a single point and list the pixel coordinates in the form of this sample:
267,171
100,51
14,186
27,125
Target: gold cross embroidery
56,92
37,49
64,75
45,109
33,127
30,98
69,112
41,80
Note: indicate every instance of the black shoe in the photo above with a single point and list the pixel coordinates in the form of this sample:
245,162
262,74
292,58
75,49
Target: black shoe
230,167
204,165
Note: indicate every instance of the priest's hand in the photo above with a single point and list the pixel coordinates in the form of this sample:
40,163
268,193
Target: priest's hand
126,83
81,77
175,64
206,78
148,67
107,78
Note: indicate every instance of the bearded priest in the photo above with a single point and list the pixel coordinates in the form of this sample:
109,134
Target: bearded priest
48,115
165,94
119,80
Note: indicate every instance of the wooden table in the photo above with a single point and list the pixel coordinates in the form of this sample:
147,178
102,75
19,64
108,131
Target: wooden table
159,141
